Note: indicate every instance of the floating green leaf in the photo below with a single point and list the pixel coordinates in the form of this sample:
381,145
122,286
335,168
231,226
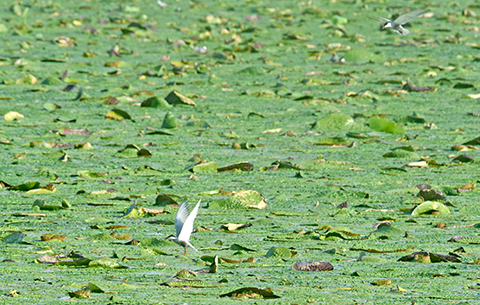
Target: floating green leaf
336,121
384,125
430,207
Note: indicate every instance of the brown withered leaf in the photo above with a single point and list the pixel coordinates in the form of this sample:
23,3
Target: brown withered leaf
64,41
75,132
312,266
240,166
47,237
424,256
422,187
429,194
175,98
165,199
152,212
409,87
81,294
118,114
234,226
111,101
464,158
456,238
251,293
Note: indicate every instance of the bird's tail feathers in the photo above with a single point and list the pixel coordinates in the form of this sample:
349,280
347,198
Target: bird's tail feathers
191,246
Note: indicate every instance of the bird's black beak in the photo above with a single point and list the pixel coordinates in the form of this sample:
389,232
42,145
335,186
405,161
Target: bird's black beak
169,236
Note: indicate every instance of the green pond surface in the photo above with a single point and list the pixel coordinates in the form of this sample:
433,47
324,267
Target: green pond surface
113,111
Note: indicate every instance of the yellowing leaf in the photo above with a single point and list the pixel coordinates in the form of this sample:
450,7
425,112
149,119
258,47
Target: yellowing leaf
276,130
12,115
474,96
27,80
421,164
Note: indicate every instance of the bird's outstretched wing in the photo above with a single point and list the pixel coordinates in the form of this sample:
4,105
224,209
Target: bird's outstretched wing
381,19
187,228
182,215
401,20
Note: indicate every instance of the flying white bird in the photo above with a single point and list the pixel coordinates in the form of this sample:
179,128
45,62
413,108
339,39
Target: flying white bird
396,24
184,225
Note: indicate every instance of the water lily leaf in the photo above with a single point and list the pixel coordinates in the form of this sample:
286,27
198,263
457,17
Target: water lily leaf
463,85
279,252
420,164
26,186
51,106
103,194
14,238
52,237
473,96
431,195
118,114
175,98
429,257
339,20
76,262
464,159
47,259
246,199
430,207
361,135
80,294
245,145
94,288
132,151
410,87
27,80
88,174
169,121
312,266
205,168
385,125
51,81
401,154
42,205
101,237
156,102
105,262
153,252
244,166
345,235
234,226
13,115
147,212
251,293
334,142
237,247
164,199
133,212
336,121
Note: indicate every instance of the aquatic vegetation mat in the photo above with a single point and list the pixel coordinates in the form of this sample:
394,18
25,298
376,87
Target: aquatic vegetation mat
336,162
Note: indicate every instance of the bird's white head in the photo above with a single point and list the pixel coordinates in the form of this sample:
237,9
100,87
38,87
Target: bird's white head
387,25
170,237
